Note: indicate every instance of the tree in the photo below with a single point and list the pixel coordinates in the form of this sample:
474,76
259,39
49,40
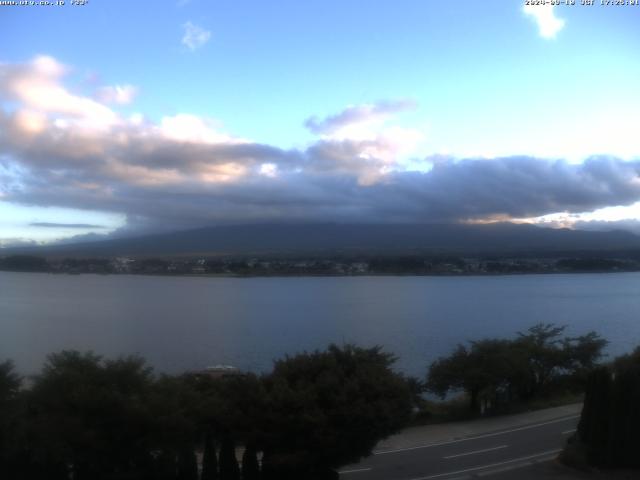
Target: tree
542,346
593,427
173,431
10,381
584,351
549,356
187,464
209,459
610,419
11,421
229,469
416,388
481,371
326,409
250,467
164,466
582,356
91,414
448,373
495,370
228,409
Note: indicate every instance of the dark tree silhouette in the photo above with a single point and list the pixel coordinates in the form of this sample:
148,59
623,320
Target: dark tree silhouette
229,469
479,370
11,422
10,381
610,419
326,409
503,370
209,459
187,465
164,466
250,467
92,415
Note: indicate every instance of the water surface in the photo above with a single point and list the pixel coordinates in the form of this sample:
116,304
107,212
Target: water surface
181,323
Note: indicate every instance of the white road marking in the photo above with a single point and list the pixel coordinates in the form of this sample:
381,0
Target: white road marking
356,470
567,432
487,435
481,467
476,451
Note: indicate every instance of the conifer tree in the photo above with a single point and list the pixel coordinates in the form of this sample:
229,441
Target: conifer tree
594,422
164,466
250,467
229,469
209,459
610,417
187,465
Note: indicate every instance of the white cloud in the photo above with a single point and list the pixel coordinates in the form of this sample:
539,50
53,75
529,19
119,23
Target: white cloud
194,36
49,126
119,94
37,87
622,217
544,16
190,128
358,120
269,169
362,139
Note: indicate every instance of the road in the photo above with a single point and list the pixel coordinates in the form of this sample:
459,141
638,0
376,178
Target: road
469,457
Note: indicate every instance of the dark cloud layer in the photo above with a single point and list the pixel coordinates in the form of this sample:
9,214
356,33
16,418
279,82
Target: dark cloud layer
451,191
70,151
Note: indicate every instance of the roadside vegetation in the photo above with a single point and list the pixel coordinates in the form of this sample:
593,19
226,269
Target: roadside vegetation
607,435
87,417
540,367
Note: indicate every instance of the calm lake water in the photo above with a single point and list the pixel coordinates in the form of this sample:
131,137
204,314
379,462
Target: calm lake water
181,323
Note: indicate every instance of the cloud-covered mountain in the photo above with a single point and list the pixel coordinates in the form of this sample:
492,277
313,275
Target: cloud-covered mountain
329,239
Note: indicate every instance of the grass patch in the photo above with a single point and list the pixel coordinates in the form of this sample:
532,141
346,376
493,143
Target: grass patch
456,409
557,400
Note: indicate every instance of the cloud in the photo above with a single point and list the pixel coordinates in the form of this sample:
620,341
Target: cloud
190,128
65,225
185,171
194,36
118,94
17,242
358,115
544,15
520,187
37,87
360,139
630,225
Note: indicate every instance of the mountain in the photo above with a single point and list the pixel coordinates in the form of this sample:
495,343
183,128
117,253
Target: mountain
321,239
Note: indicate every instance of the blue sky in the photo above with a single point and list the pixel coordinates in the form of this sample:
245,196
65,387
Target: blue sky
159,115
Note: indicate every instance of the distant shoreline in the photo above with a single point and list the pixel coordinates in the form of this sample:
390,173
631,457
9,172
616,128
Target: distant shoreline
325,275
318,266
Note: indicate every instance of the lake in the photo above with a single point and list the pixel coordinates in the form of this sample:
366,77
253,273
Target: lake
182,323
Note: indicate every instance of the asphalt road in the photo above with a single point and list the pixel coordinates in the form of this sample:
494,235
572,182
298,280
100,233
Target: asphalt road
475,456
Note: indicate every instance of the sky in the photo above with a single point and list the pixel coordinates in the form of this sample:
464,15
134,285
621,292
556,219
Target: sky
120,118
